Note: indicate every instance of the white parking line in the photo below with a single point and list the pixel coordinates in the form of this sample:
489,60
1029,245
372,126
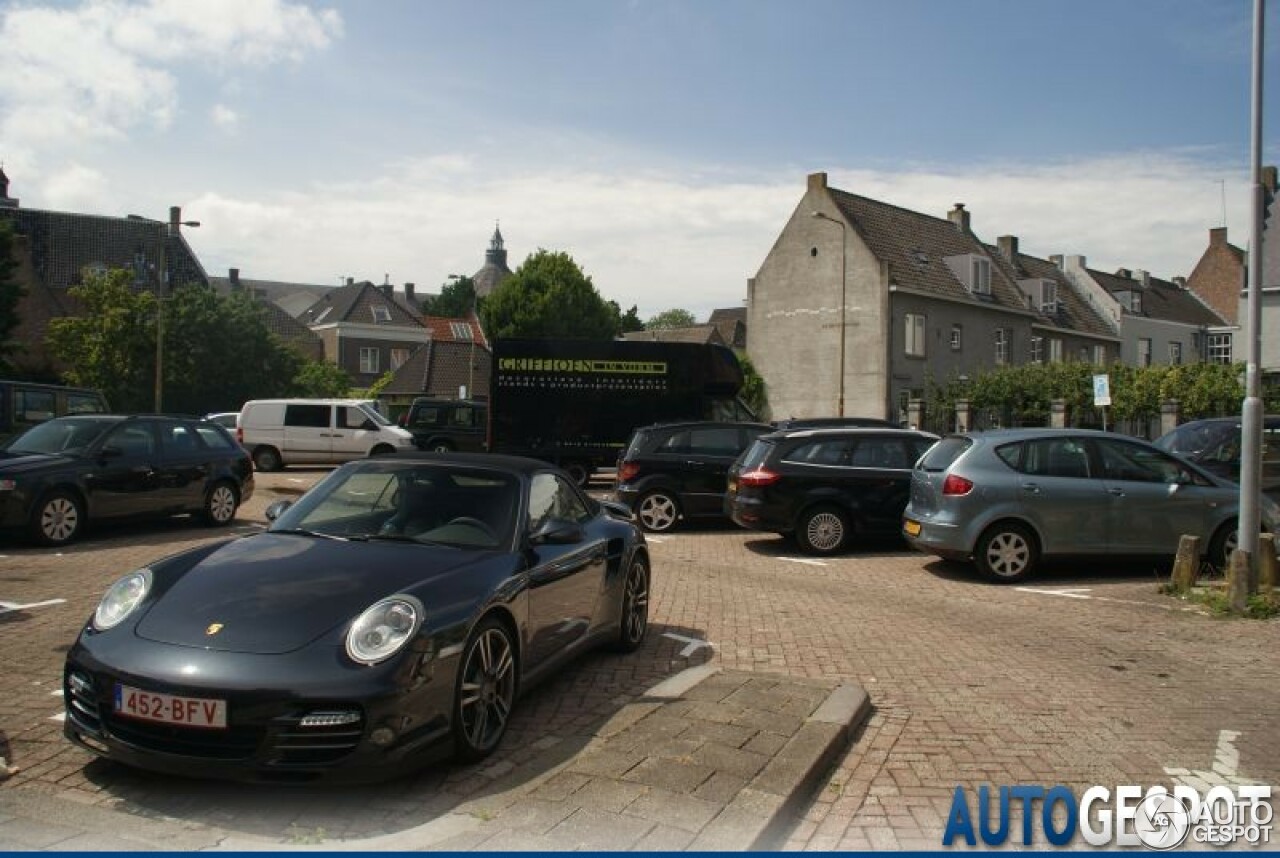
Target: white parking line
8,607
1067,592
1080,593
60,717
694,644
657,540
804,560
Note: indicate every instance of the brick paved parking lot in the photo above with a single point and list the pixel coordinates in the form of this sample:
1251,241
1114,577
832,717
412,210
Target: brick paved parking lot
1084,676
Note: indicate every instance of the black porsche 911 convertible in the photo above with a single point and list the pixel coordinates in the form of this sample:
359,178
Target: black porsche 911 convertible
390,616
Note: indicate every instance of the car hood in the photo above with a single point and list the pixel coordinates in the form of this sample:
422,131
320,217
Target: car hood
276,593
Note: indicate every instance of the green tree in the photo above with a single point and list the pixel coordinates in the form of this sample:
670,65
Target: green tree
456,299
205,330
112,346
320,379
673,318
753,391
549,296
628,321
11,292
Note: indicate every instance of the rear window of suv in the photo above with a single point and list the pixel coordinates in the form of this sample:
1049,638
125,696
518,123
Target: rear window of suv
756,455
942,454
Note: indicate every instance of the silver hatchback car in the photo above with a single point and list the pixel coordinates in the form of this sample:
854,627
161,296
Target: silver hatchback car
1008,498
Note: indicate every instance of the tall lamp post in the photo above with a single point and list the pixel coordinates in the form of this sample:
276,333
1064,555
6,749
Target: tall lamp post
843,261
167,229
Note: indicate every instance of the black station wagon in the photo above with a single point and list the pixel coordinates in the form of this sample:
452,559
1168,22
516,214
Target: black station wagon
822,487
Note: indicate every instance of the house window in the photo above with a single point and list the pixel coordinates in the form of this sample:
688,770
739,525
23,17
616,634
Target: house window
915,335
1100,355
320,318
1084,354
1219,346
1144,351
399,357
1175,353
1037,350
460,330
980,275
1055,350
1048,297
1002,346
369,360
956,332
381,313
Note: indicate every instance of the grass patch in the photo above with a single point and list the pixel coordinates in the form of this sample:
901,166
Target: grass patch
1218,601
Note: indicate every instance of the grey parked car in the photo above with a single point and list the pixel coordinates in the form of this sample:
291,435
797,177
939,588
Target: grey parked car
1008,498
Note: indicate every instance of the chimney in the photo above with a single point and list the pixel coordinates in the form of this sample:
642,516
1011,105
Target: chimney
1125,273
959,217
1142,276
1180,282
1076,260
175,220
386,288
817,181
233,274
1218,236
1008,245
351,281
1059,260
408,291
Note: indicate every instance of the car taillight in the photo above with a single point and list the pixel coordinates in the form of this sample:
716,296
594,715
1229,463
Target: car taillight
627,471
758,478
954,485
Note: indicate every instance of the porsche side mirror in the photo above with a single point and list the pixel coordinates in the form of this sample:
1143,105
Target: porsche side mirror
277,509
557,531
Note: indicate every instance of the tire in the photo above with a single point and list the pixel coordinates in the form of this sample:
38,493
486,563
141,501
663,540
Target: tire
58,518
381,450
633,619
822,530
440,447
267,459
220,504
578,472
1225,540
485,689
1006,552
657,511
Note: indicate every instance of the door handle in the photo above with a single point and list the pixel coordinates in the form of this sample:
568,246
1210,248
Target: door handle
1034,488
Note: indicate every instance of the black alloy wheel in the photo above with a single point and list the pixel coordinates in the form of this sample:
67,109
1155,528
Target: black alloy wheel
634,621
486,691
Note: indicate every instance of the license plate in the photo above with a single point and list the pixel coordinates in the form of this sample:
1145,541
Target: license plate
911,527
170,708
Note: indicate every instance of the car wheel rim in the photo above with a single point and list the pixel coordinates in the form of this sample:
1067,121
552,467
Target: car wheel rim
440,448
222,504
488,688
1008,554
636,603
658,512
59,519
825,531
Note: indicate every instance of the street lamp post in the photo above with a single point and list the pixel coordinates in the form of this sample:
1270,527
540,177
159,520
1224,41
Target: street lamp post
162,279
843,261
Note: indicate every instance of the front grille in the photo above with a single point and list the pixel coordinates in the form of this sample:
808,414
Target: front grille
79,698
293,744
234,743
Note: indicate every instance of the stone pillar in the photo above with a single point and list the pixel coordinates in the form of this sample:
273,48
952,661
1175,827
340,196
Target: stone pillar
1268,574
962,415
1186,565
1058,414
915,414
1170,412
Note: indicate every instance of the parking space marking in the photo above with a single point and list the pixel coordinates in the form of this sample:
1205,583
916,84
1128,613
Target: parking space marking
1066,592
1225,769
1081,593
9,607
694,644
805,560
658,540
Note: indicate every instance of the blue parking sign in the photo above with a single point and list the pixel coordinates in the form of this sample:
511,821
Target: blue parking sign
1102,389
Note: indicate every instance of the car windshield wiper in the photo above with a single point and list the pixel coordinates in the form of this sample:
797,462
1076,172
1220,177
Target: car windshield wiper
302,531
394,537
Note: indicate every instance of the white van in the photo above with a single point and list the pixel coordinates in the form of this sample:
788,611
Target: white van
280,432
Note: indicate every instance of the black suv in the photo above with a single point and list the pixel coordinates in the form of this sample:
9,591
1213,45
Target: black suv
1214,444
442,425
822,486
671,471
69,470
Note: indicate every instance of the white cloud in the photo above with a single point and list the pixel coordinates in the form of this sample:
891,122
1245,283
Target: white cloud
224,118
105,67
74,188
666,240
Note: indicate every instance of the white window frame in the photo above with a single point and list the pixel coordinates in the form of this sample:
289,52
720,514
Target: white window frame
980,275
1175,353
914,337
957,337
1055,350
381,313
1100,355
1036,349
461,331
1144,351
1048,297
1218,348
370,360
1002,346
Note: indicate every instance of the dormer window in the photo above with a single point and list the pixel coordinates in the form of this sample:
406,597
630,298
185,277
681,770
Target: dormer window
460,330
980,275
1130,299
1048,297
320,318
381,313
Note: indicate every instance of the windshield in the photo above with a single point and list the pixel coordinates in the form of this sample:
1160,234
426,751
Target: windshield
1196,439
375,415
410,502
60,436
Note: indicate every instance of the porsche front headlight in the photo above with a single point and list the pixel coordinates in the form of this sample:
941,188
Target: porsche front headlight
383,629
119,601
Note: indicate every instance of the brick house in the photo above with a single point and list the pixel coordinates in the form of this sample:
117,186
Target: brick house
859,304
1220,276
364,330
454,364
732,324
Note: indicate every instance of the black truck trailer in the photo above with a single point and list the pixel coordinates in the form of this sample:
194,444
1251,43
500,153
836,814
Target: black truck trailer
576,402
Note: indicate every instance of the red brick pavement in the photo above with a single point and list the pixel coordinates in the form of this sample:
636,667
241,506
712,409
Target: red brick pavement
971,683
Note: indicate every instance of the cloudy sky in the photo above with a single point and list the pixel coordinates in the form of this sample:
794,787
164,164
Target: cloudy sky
662,143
